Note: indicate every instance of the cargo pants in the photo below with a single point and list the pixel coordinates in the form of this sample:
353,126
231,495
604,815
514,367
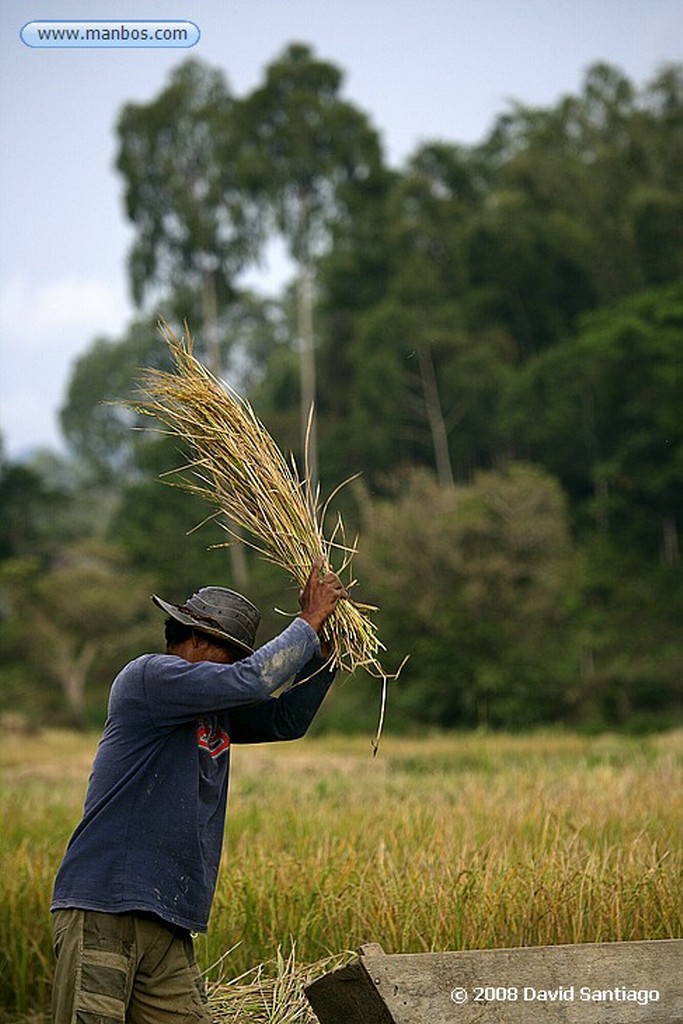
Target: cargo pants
124,969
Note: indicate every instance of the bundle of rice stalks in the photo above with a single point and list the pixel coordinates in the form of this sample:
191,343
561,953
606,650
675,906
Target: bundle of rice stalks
238,469
271,993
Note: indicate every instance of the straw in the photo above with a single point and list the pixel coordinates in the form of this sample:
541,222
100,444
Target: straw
236,466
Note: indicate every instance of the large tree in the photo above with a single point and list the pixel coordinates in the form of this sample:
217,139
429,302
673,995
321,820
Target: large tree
195,229
89,608
305,150
471,582
602,411
97,425
586,202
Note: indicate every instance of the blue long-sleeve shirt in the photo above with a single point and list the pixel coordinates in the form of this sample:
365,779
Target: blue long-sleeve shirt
151,835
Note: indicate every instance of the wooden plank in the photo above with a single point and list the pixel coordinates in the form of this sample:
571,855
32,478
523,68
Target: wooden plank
591,983
348,995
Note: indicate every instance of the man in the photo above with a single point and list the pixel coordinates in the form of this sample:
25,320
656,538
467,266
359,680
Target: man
140,870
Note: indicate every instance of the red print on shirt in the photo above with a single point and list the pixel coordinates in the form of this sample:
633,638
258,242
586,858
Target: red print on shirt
212,738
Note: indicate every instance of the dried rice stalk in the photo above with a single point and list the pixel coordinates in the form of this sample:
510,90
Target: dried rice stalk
237,467
271,993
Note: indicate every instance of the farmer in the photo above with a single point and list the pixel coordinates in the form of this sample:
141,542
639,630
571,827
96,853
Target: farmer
139,873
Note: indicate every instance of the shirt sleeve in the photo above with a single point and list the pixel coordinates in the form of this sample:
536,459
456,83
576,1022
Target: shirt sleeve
178,691
288,716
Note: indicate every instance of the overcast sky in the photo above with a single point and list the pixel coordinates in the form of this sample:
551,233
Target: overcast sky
421,69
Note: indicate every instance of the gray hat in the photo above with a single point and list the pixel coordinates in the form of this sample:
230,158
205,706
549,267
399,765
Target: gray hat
219,612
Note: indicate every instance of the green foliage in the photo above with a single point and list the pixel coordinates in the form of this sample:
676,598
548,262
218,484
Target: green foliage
602,412
305,157
175,157
73,625
597,161
498,334
626,615
304,150
27,503
157,524
474,592
97,425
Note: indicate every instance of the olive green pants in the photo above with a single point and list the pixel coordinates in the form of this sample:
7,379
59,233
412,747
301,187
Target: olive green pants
124,969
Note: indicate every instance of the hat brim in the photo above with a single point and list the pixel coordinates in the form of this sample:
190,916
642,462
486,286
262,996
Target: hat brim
197,623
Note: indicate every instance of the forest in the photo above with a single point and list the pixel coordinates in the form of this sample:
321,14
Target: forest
492,337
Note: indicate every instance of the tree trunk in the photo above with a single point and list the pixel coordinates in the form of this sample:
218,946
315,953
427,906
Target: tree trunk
210,318
238,560
670,548
72,670
437,426
309,433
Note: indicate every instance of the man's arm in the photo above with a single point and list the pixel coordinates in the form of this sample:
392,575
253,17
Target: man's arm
178,690
288,716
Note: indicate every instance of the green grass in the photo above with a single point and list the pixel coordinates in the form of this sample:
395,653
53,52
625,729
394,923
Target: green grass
451,842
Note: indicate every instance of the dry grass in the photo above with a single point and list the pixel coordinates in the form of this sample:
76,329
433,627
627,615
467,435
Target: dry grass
239,470
451,842
272,992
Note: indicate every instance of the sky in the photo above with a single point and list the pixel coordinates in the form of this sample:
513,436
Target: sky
420,69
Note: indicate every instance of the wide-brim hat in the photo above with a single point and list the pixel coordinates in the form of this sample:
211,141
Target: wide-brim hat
219,612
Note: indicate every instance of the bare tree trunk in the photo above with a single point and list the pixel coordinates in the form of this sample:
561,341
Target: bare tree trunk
238,560
210,318
670,548
437,425
72,670
307,373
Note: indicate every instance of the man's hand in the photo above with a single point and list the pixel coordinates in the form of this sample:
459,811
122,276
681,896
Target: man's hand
319,597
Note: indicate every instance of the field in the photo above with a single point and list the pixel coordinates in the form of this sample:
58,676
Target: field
449,842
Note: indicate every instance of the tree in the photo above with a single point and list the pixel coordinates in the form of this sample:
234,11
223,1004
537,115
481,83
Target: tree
579,193
474,592
428,205
305,150
602,411
46,502
157,525
90,608
625,612
100,428
195,228
24,503
495,254
425,369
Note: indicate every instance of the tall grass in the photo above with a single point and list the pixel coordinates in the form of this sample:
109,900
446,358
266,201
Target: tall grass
43,785
451,842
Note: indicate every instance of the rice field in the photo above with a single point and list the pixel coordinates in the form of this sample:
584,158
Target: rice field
447,842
